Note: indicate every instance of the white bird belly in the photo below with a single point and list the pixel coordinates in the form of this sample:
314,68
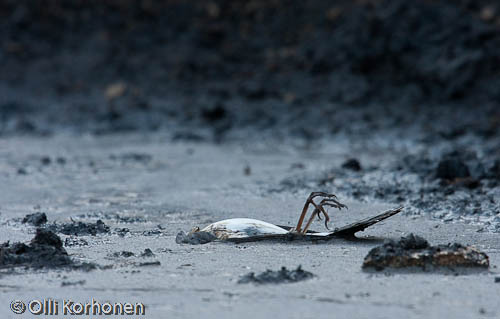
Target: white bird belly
242,228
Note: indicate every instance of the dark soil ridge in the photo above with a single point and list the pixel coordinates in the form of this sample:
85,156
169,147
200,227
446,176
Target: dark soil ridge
112,66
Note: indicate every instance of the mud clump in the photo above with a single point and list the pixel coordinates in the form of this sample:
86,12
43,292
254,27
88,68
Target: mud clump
45,251
194,238
277,277
81,228
36,219
352,164
415,251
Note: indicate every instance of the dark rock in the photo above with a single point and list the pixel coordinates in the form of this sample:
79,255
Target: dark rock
415,251
277,277
194,238
35,219
352,164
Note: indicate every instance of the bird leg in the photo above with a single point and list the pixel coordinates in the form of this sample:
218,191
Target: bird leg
328,200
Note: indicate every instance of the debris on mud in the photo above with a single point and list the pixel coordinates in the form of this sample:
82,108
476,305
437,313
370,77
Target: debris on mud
121,231
277,277
415,251
118,218
194,238
73,283
149,263
123,253
152,232
36,219
44,251
132,157
72,241
80,228
460,184
147,253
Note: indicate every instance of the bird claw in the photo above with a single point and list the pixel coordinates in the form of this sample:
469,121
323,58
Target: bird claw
329,200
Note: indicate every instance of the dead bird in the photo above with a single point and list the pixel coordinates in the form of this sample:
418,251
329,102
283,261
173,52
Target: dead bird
248,229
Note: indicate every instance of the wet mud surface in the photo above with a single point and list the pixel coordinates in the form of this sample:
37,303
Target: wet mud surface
416,252
145,205
124,122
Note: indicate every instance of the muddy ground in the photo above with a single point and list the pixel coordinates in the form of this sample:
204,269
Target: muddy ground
128,121
182,185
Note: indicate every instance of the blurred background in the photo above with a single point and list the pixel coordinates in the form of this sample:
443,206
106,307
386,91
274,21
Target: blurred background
216,70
